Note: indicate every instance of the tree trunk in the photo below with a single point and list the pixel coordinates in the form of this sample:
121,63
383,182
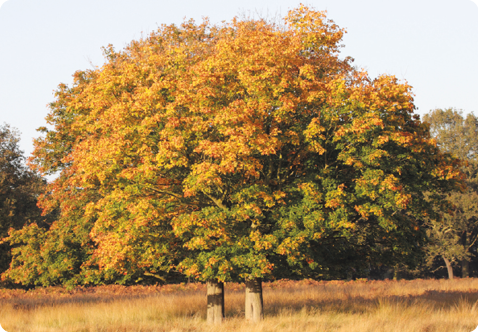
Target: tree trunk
449,268
465,262
254,302
215,302
396,273
465,268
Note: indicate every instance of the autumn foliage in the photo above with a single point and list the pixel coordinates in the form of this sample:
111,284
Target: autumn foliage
242,150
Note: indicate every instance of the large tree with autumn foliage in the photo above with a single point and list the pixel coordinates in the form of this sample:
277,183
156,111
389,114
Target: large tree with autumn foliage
239,151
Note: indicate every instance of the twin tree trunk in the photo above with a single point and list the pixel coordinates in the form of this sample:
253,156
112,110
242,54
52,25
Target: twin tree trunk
215,301
254,302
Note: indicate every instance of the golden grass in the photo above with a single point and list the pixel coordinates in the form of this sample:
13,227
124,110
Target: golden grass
305,306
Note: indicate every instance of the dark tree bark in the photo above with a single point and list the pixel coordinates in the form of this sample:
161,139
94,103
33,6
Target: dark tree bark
465,262
254,301
465,268
449,268
396,273
215,302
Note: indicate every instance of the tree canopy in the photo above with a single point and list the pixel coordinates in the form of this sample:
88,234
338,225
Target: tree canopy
19,190
242,150
456,231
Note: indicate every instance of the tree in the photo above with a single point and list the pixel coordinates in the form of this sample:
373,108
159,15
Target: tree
454,133
243,151
456,234
19,190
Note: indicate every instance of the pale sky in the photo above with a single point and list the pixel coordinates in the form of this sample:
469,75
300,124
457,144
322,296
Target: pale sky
432,44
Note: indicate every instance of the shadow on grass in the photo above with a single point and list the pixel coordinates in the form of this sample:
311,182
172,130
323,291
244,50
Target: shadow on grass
25,303
436,299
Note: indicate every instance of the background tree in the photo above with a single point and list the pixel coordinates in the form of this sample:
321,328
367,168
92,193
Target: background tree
457,232
19,190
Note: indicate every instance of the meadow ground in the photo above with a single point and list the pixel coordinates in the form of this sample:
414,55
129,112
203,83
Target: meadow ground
305,306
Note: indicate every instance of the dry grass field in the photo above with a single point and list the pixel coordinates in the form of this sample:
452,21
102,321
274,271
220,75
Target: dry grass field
305,306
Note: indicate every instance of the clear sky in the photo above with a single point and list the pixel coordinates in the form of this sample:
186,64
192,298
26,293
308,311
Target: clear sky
432,44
